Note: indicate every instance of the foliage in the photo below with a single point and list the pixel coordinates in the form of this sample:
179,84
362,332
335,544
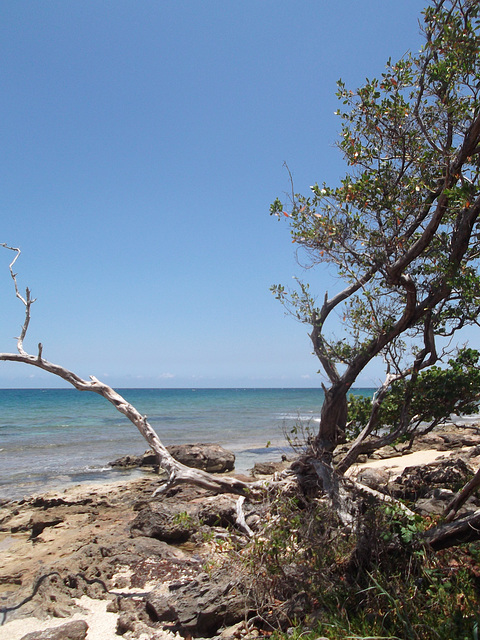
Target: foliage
374,581
401,229
436,394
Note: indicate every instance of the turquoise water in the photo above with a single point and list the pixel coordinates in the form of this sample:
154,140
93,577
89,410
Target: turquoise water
54,437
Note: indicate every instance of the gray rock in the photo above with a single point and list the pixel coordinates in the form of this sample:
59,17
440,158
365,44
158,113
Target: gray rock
199,607
430,506
208,457
218,511
76,630
164,522
373,478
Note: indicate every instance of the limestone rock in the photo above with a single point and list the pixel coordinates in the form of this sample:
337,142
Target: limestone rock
76,630
208,457
201,606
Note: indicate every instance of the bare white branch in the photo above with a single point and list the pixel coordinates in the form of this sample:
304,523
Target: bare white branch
177,472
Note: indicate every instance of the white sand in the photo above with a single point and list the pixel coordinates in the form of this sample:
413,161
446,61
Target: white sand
101,623
398,464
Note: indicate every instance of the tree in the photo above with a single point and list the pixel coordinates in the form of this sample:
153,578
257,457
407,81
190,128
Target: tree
401,232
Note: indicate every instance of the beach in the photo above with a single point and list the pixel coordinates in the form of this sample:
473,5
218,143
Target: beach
83,534
79,545
54,438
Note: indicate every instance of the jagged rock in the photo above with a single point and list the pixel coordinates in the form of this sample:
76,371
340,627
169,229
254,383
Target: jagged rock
200,607
164,522
208,457
417,482
76,630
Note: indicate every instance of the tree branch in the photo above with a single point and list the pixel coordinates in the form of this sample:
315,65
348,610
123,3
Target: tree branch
177,472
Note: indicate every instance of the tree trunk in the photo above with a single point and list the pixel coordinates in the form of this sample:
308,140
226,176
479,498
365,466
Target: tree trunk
454,533
462,496
333,420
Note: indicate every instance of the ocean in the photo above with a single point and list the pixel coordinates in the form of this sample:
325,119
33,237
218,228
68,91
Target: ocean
52,438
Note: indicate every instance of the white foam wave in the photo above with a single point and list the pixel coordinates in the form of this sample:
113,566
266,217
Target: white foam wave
292,416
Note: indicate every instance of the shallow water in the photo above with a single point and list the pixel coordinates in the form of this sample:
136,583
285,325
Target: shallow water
55,437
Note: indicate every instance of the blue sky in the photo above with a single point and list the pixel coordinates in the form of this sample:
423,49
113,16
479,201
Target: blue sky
142,144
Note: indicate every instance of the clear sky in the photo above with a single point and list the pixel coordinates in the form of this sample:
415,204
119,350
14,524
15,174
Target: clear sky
142,142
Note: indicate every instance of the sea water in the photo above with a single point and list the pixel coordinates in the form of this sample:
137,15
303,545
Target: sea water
50,438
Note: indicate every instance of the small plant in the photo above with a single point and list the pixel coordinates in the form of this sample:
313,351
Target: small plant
183,519
300,436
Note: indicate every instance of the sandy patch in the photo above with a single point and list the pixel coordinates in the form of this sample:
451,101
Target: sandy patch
101,623
398,464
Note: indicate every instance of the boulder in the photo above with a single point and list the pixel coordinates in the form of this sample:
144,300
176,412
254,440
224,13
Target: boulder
76,630
218,511
374,478
199,607
208,457
164,522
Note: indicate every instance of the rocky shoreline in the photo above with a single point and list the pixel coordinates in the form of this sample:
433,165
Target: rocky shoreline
107,561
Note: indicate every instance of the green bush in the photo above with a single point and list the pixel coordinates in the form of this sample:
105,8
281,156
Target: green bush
375,580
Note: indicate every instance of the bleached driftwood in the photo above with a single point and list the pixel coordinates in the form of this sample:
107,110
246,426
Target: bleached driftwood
177,473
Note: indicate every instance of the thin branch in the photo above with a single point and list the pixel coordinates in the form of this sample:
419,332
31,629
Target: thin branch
27,301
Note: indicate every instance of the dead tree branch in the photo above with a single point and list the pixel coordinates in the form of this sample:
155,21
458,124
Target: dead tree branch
177,472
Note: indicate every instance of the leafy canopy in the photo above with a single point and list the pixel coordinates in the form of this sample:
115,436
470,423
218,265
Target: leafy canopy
401,228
